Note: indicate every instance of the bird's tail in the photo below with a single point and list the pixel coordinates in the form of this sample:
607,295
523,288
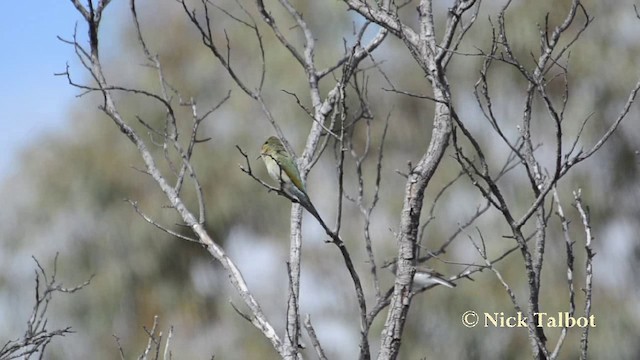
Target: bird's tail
306,203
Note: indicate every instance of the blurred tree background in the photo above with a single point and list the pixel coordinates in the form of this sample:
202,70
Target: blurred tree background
67,196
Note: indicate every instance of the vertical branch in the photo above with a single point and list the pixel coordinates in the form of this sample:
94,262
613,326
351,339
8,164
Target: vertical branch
588,286
570,280
424,49
369,210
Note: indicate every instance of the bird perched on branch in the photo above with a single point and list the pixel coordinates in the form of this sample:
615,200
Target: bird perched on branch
282,168
423,276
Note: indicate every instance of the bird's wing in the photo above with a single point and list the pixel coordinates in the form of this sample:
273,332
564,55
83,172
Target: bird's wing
293,174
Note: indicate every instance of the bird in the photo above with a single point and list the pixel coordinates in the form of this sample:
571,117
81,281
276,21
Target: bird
282,168
424,276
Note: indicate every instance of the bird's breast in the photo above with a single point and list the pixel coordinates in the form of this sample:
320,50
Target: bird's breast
273,168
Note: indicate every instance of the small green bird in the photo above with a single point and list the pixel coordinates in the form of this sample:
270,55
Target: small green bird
280,164
283,169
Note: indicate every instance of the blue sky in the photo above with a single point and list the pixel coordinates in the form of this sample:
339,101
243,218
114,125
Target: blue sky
32,100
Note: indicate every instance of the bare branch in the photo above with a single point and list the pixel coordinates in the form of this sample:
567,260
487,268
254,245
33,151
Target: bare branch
570,281
152,222
314,338
588,288
37,336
